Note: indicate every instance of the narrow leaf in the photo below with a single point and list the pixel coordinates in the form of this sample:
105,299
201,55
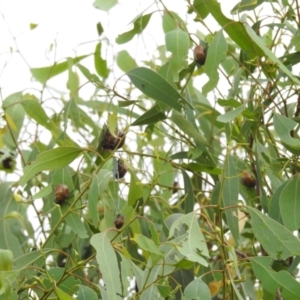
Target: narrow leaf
50,160
283,127
187,127
231,115
34,110
107,260
86,293
177,42
189,192
290,204
125,61
75,223
138,26
93,201
135,190
155,86
197,290
230,193
271,280
152,116
260,43
192,245
45,73
146,244
276,239
105,5
216,54
235,30
100,63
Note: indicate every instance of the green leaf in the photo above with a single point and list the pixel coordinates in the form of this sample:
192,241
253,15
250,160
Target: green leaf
91,77
155,86
6,260
274,209
93,201
261,44
100,63
125,61
246,5
146,244
230,195
100,29
189,192
217,53
10,228
235,30
231,115
45,73
34,110
14,116
135,190
171,21
61,295
177,42
43,192
105,5
200,8
271,280
197,167
86,293
107,260
276,239
50,160
33,26
138,26
290,205
152,116
187,127
75,223
197,289
192,244
283,127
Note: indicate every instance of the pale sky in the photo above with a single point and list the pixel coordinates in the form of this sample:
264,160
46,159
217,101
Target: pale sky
71,25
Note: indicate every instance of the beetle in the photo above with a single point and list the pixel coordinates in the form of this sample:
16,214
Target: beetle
61,193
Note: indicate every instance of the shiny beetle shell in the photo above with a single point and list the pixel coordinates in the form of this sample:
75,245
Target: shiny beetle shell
200,55
61,193
247,180
111,143
119,221
122,169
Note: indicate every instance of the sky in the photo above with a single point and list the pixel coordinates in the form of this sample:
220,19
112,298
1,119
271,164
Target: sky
66,28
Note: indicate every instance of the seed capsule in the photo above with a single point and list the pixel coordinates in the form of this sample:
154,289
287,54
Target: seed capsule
61,193
200,55
247,180
119,221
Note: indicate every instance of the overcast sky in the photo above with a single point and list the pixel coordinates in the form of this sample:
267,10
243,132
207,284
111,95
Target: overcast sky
71,25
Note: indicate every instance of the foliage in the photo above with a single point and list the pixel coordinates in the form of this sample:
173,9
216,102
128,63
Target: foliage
180,179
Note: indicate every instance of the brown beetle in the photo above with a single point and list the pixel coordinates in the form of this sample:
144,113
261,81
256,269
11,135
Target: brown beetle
61,193
176,187
8,163
119,221
247,180
111,143
122,169
200,55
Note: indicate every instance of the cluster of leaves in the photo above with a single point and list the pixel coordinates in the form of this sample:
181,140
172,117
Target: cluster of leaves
192,229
